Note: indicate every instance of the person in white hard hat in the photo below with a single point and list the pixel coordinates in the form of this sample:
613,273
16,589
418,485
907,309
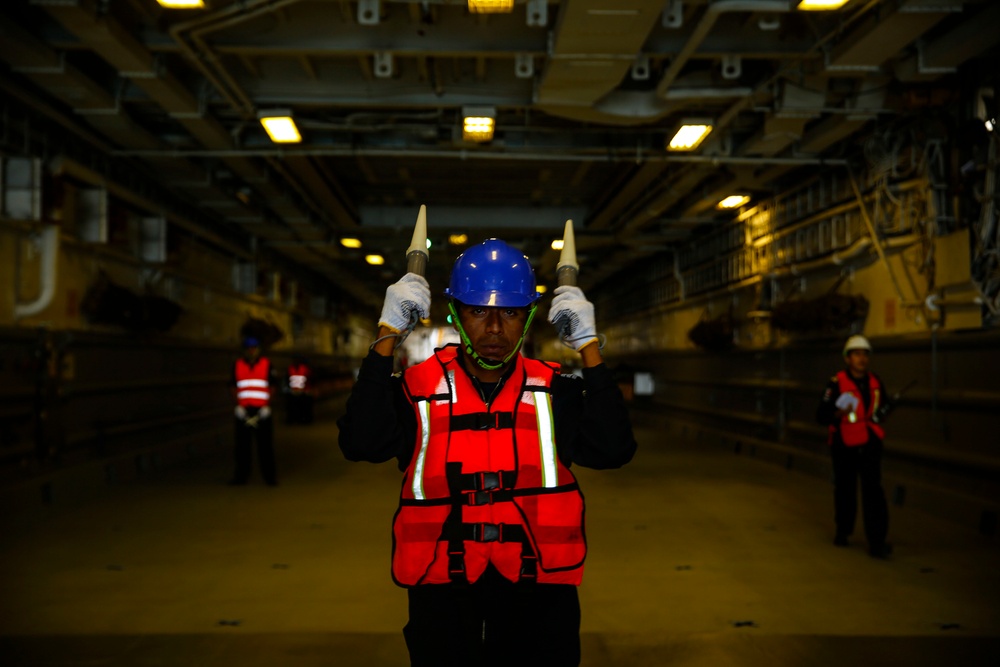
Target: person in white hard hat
853,407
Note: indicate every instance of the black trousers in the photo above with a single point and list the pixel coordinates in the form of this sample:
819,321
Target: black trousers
493,623
299,409
263,433
864,463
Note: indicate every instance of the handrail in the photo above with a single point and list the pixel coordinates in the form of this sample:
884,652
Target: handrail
138,426
74,389
968,464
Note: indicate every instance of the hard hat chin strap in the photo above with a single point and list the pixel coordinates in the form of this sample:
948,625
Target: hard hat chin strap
482,363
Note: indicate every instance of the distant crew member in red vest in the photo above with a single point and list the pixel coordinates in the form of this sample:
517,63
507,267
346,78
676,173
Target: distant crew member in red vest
299,383
854,406
253,388
489,537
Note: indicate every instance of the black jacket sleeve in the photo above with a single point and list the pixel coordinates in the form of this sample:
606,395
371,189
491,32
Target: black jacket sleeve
827,404
378,424
593,428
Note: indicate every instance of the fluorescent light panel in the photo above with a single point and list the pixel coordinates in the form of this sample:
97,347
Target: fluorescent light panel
280,126
478,123
350,242
182,4
375,260
734,201
491,6
689,136
820,5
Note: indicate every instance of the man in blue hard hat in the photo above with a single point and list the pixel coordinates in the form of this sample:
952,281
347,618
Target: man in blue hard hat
489,536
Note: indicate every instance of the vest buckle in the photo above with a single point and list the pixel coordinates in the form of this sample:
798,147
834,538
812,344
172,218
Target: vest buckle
488,480
480,497
489,532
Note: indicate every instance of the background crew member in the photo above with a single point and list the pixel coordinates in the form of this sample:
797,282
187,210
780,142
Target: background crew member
489,537
853,406
253,385
300,392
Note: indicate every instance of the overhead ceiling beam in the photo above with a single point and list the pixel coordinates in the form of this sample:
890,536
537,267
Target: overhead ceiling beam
880,36
593,49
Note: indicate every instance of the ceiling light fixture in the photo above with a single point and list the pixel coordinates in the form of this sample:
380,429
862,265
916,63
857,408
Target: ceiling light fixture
557,244
375,260
280,126
182,4
733,201
690,135
350,242
491,6
820,5
478,124
458,239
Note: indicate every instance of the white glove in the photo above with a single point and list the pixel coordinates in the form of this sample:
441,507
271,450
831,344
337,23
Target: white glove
847,402
264,412
240,412
410,294
573,315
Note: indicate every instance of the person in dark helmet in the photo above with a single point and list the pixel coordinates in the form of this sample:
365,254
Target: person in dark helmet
253,385
489,536
854,407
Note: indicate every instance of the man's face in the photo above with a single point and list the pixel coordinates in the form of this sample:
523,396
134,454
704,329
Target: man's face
857,361
251,353
493,331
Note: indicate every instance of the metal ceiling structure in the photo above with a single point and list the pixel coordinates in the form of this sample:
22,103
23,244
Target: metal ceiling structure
586,93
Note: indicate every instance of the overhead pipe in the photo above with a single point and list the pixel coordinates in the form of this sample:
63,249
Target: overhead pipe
627,155
77,171
231,12
708,19
838,258
47,274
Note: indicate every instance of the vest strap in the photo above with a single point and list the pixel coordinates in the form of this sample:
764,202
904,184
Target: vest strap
482,421
486,481
486,496
485,532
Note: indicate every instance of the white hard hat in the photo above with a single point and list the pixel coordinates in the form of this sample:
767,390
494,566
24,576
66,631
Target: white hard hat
857,343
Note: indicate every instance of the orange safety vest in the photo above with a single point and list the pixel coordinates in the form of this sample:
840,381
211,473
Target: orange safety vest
298,378
485,484
854,426
253,388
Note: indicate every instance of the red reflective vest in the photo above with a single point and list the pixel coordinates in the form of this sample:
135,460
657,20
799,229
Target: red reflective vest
854,426
253,388
485,485
298,378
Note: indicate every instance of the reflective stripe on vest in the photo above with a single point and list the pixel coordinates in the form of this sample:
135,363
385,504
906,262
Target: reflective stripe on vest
252,383
546,438
424,416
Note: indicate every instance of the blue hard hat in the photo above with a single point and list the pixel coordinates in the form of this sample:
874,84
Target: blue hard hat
493,274
250,341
